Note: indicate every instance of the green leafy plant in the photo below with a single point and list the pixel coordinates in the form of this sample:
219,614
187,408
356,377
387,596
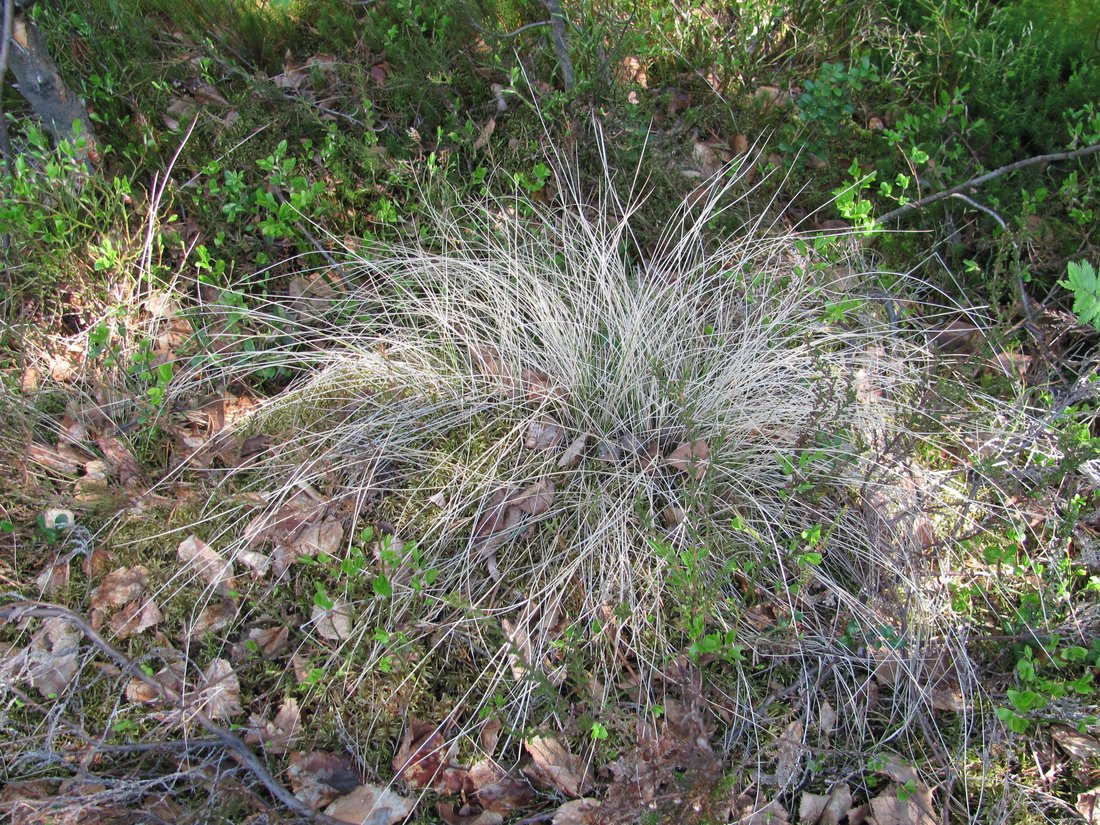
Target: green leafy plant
1082,281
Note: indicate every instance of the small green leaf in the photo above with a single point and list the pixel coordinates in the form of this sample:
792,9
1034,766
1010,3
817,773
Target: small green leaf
382,586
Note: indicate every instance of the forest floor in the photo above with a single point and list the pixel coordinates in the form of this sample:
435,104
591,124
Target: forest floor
347,477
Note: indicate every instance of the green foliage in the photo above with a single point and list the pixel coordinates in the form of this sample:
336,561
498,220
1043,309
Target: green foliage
1082,281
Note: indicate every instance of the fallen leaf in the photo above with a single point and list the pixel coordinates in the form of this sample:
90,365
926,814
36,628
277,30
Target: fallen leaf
544,434
536,499
50,457
826,719
584,811
916,809
119,587
553,765
333,624
120,457
213,618
1088,805
313,539
208,563
690,457
467,815
751,811
270,641
220,697
136,617
277,735
572,455
485,133
503,796
1076,744
54,578
371,805
423,760
318,778
379,73
825,809
141,693
207,95
53,658
898,769
790,755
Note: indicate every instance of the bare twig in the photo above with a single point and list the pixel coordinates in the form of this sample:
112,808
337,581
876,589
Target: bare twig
561,46
229,740
902,211
5,46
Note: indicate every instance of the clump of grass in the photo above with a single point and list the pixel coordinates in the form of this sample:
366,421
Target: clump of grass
729,476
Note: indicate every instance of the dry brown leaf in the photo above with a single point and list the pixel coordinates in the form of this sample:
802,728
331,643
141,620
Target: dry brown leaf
120,587
1076,744
207,95
207,562
270,641
333,624
825,809
119,456
898,769
54,578
141,693
790,755
553,765
371,805
584,811
278,734
424,760
916,809
1088,805
859,814
379,73
544,434
751,811
213,618
320,777
485,133
313,539
572,455
690,457
538,388
50,457
503,796
489,734
136,617
826,719
221,693
52,659
536,499
467,815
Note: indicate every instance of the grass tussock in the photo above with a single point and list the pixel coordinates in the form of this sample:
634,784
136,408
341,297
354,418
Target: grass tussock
591,458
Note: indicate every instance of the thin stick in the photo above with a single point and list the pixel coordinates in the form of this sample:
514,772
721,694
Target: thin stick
232,742
901,211
561,46
5,47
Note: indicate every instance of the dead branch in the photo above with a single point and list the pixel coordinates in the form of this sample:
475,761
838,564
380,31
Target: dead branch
229,740
5,50
561,46
973,183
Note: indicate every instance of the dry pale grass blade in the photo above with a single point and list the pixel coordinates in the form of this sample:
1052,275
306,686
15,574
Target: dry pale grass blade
584,445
